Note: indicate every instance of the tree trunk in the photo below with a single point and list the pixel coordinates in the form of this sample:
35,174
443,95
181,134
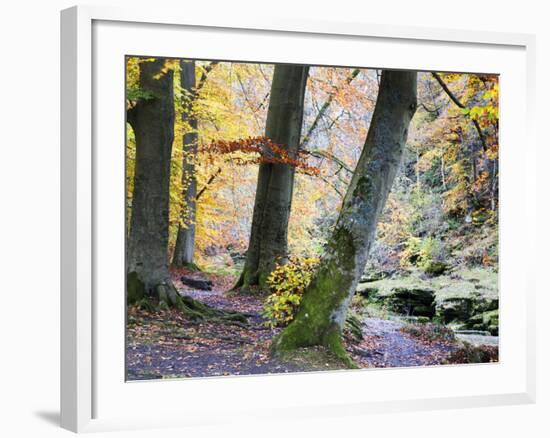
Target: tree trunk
494,185
325,302
268,237
185,240
152,120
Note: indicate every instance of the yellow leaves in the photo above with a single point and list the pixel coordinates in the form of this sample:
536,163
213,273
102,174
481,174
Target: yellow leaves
132,72
287,283
169,65
393,227
455,199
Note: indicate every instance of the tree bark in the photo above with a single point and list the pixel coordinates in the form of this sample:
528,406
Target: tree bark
324,305
269,233
152,120
185,240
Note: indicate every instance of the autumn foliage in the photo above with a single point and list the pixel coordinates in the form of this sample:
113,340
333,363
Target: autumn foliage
258,150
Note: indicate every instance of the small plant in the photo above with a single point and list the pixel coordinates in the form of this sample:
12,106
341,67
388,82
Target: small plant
469,353
429,332
482,215
428,254
287,284
411,253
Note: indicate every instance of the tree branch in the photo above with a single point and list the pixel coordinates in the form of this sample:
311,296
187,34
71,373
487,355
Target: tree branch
210,181
462,106
205,72
325,107
324,154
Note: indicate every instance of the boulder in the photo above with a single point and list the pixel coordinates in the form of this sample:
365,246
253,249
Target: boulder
412,301
486,321
454,309
409,296
465,299
370,276
366,290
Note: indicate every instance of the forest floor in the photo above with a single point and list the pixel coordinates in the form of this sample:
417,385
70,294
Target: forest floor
163,344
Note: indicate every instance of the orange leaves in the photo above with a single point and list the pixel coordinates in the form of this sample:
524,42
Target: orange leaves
481,182
255,150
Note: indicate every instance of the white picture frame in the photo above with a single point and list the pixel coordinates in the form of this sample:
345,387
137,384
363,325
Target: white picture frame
87,402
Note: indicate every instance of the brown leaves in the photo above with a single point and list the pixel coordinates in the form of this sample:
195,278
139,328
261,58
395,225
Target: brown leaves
261,150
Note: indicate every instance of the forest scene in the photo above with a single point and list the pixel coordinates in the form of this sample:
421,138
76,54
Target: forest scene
293,218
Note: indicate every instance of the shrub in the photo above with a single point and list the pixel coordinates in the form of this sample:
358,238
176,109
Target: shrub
428,254
429,332
287,284
411,252
469,353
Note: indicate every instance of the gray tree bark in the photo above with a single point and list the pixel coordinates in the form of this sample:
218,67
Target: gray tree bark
185,240
324,305
152,120
272,205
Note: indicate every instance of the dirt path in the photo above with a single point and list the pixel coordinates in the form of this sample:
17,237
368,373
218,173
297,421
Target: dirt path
163,345
393,348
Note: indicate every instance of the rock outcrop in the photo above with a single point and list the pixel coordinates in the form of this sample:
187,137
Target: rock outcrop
466,299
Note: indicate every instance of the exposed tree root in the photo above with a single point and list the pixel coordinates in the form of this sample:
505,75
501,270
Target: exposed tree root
165,296
294,341
251,283
354,327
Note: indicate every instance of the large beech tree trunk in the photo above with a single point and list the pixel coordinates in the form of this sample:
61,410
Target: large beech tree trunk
324,306
268,237
152,120
185,240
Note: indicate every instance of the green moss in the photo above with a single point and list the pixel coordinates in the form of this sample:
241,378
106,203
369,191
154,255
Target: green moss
192,267
460,284
262,279
387,286
362,188
435,268
457,297
313,359
314,324
135,289
333,342
251,283
486,321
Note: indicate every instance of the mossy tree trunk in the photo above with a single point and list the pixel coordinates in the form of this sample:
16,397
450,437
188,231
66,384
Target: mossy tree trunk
185,240
269,233
324,305
152,120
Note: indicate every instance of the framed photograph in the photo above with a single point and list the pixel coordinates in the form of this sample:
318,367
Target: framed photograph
278,217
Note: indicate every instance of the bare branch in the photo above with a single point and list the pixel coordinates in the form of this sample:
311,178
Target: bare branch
325,107
462,106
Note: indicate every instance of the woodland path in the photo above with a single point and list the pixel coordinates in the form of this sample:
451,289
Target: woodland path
392,348
163,345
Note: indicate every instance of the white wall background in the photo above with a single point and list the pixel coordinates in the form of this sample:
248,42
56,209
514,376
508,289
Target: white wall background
29,217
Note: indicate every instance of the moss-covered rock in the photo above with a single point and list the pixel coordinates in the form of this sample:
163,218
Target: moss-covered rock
453,309
435,268
486,321
412,301
370,276
407,295
466,299
465,293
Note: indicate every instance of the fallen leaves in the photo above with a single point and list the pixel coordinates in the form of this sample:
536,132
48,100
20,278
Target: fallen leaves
163,344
